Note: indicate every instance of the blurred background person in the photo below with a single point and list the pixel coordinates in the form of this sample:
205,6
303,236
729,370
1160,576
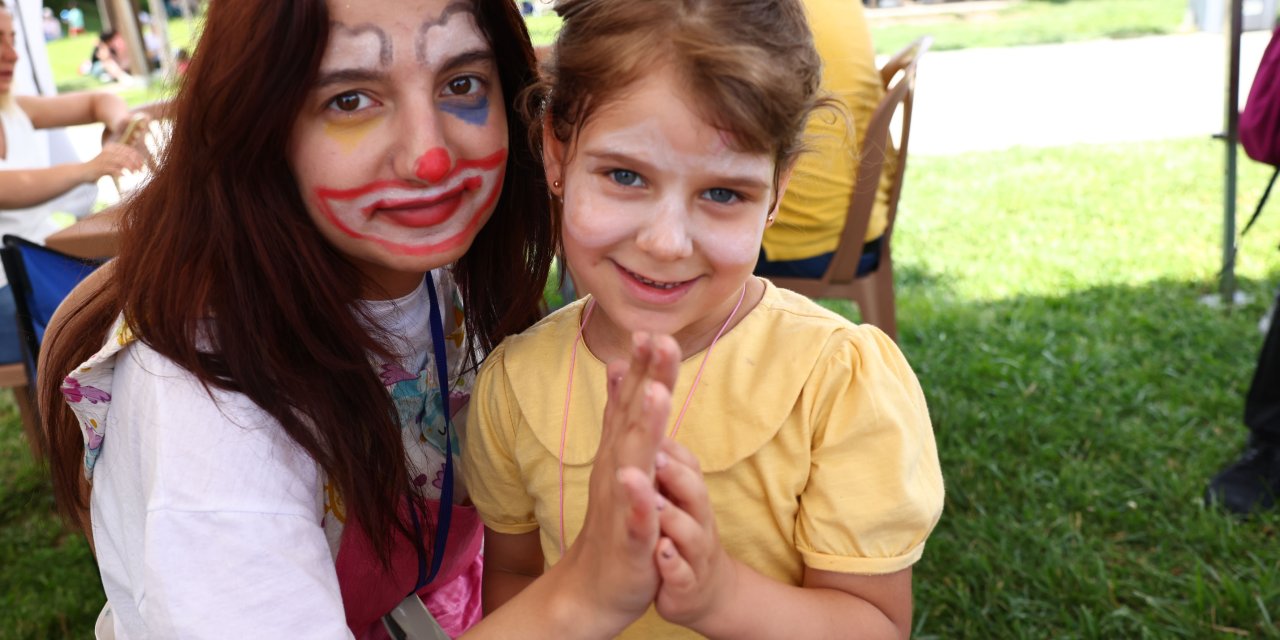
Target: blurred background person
30,182
52,28
110,61
803,239
74,18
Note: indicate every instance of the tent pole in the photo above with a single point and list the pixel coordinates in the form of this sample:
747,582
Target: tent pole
127,27
1227,285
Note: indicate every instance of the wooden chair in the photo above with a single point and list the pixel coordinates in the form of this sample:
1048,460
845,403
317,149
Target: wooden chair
873,292
14,376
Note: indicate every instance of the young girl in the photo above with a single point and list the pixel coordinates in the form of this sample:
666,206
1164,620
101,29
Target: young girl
805,479
260,386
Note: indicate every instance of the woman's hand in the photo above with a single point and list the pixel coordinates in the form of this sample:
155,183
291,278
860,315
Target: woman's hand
128,129
114,159
613,554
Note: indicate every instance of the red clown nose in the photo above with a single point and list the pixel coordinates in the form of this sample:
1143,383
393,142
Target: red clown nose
433,166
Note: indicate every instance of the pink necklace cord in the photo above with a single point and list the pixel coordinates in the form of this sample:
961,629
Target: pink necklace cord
689,396
564,426
568,392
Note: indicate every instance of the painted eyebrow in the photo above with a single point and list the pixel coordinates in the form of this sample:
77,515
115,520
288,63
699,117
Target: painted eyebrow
466,58
420,40
351,75
384,43
622,158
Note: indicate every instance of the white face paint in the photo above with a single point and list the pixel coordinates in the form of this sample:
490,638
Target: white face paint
662,219
401,148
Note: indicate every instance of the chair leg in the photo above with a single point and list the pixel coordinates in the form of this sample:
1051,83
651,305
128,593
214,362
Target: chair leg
30,425
875,299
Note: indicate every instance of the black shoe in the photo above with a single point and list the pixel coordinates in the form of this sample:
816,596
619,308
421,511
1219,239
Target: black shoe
1251,483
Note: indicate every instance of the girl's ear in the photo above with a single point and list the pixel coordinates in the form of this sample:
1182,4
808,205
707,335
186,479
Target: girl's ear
784,179
552,159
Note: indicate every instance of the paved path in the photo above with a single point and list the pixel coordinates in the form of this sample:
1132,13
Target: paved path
1100,91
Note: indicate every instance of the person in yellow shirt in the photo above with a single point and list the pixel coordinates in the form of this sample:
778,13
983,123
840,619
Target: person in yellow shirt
803,239
800,477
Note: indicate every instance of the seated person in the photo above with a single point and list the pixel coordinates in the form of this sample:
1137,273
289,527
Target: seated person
110,60
803,239
28,182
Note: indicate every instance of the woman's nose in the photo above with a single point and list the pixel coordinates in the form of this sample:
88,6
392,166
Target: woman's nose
433,165
424,155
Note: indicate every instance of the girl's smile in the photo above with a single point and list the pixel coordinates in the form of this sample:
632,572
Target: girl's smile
662,217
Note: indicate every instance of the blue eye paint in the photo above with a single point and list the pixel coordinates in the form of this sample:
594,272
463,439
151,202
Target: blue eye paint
476,113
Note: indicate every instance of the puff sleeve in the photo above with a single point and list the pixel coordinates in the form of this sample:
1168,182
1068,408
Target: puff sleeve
875,486
491,470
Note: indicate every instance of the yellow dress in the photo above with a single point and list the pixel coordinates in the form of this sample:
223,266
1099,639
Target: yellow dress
812,433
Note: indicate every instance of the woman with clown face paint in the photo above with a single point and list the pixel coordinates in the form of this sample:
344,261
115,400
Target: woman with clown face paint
256,409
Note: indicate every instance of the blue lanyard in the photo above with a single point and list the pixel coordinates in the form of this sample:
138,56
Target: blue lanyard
445,512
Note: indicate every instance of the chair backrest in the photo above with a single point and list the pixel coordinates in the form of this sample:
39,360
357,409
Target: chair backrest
871,162
40,279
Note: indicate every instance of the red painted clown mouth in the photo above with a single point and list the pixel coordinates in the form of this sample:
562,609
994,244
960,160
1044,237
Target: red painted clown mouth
409,218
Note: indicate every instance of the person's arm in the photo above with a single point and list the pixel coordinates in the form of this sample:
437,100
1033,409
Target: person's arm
607,577
22,188
227,505
703,588
511,563
70,109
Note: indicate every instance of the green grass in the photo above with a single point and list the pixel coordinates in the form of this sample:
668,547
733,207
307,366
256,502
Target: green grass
1080,393
543,28
1038,22
49,586
1081,396
66,56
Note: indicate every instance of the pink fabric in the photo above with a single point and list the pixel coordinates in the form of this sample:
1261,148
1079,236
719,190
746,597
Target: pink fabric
1260,119
369,591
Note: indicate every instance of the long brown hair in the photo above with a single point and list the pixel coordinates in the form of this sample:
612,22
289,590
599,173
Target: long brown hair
750,66
218,249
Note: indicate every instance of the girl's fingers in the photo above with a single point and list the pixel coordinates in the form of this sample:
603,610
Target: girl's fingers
681,454
676,572
614,406
682,483
641,502
666,360
689,536
638,369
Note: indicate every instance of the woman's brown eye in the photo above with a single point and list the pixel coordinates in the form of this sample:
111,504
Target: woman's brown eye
461,86
347,102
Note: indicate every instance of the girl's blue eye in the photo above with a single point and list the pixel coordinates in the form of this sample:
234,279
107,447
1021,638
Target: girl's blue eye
350,102
625,178
722,196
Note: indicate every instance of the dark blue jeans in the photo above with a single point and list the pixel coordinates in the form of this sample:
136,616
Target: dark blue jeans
10,342
816,266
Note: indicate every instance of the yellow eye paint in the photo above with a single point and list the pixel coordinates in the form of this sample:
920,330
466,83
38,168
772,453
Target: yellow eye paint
349,134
